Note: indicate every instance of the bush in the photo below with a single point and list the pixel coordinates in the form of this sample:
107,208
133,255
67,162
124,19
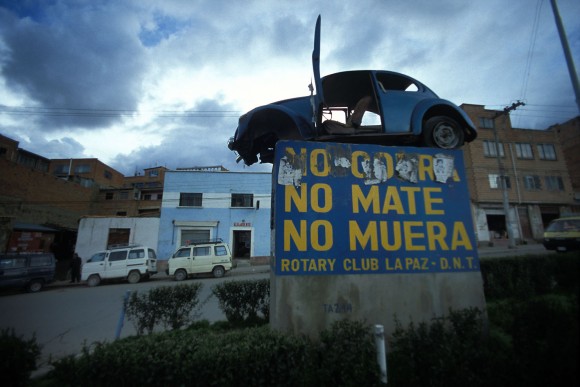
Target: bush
347,356
18,356
243,357
170,306
450,351
525,277
245,303
544,337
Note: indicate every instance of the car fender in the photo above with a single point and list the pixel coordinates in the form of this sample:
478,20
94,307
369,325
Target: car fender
284,121
431,107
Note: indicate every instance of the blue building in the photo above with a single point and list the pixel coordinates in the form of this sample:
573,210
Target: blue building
209,203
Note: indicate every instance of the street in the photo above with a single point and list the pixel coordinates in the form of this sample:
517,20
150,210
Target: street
65,316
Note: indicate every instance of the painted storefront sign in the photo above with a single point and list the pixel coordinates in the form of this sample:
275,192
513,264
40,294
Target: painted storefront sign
369,209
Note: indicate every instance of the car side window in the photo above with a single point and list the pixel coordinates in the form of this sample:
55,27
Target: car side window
41,260
220,250
118,256
201,251
98,257
136,254
14,263
151,254
182,253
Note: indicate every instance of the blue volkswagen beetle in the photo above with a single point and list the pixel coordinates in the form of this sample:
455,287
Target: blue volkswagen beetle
363,106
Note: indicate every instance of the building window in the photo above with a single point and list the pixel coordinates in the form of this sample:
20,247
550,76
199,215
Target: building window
147,197
121,213
532,182
486,123
61,169
124,195
242,200
495,181
82,168
547,152
490,149
109,196
153,173
188,199
524,151
108,175
554,183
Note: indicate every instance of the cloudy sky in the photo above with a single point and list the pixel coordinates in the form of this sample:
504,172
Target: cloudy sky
142,83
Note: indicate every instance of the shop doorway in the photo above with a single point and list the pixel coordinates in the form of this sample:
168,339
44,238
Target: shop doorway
496,226
242,247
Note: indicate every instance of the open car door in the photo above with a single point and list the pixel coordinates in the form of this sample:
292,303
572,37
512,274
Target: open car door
317,99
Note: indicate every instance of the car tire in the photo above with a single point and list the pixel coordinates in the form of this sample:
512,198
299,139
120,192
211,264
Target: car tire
218,272
35,286
134,277
180,275
93,280
443,132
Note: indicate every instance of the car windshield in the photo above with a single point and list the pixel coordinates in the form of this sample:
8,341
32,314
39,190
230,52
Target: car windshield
564,225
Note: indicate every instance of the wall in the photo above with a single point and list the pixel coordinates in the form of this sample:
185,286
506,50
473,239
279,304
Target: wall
94,231
216,214
30,196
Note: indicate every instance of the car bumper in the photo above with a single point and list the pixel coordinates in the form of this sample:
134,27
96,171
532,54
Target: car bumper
561,244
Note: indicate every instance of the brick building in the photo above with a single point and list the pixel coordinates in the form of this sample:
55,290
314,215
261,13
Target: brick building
569,134
537,179
139,196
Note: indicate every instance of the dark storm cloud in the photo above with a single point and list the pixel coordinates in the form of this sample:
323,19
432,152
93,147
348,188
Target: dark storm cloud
79,58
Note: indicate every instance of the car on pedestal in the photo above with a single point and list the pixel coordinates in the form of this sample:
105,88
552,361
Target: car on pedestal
362,106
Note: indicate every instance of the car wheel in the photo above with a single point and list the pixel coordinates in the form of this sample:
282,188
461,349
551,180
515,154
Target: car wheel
443,132
180,275
94,280
35,286
218,272
134,277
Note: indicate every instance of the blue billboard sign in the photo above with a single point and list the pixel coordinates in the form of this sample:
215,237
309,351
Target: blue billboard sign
368,209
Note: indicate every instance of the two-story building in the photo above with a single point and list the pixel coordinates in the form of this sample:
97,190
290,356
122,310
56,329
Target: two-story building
200,204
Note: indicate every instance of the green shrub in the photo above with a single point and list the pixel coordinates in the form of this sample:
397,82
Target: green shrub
347,356
170,306
244,303
252,357
18,356
450,351
525,277
545,340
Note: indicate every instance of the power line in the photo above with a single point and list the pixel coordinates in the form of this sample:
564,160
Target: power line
99,113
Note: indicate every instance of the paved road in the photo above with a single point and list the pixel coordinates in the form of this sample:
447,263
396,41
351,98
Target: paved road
65,316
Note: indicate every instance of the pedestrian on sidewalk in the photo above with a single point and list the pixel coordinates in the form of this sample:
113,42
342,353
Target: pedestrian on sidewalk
75,268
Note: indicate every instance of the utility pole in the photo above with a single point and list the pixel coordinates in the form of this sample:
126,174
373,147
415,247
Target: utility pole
567,54
502,174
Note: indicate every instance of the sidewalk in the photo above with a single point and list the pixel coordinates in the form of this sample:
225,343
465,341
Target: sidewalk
244,266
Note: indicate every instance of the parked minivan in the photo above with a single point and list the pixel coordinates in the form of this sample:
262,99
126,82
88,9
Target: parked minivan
30,271
563,234
200,257
127,262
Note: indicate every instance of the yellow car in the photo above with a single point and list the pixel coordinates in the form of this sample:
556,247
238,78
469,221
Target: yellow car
563,234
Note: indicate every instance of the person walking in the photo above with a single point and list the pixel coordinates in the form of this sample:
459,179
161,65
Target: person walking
76,268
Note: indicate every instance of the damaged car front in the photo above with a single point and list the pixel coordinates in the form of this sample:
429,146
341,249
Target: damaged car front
260,129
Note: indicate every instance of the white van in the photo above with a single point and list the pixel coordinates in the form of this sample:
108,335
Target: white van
128,262
200,257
